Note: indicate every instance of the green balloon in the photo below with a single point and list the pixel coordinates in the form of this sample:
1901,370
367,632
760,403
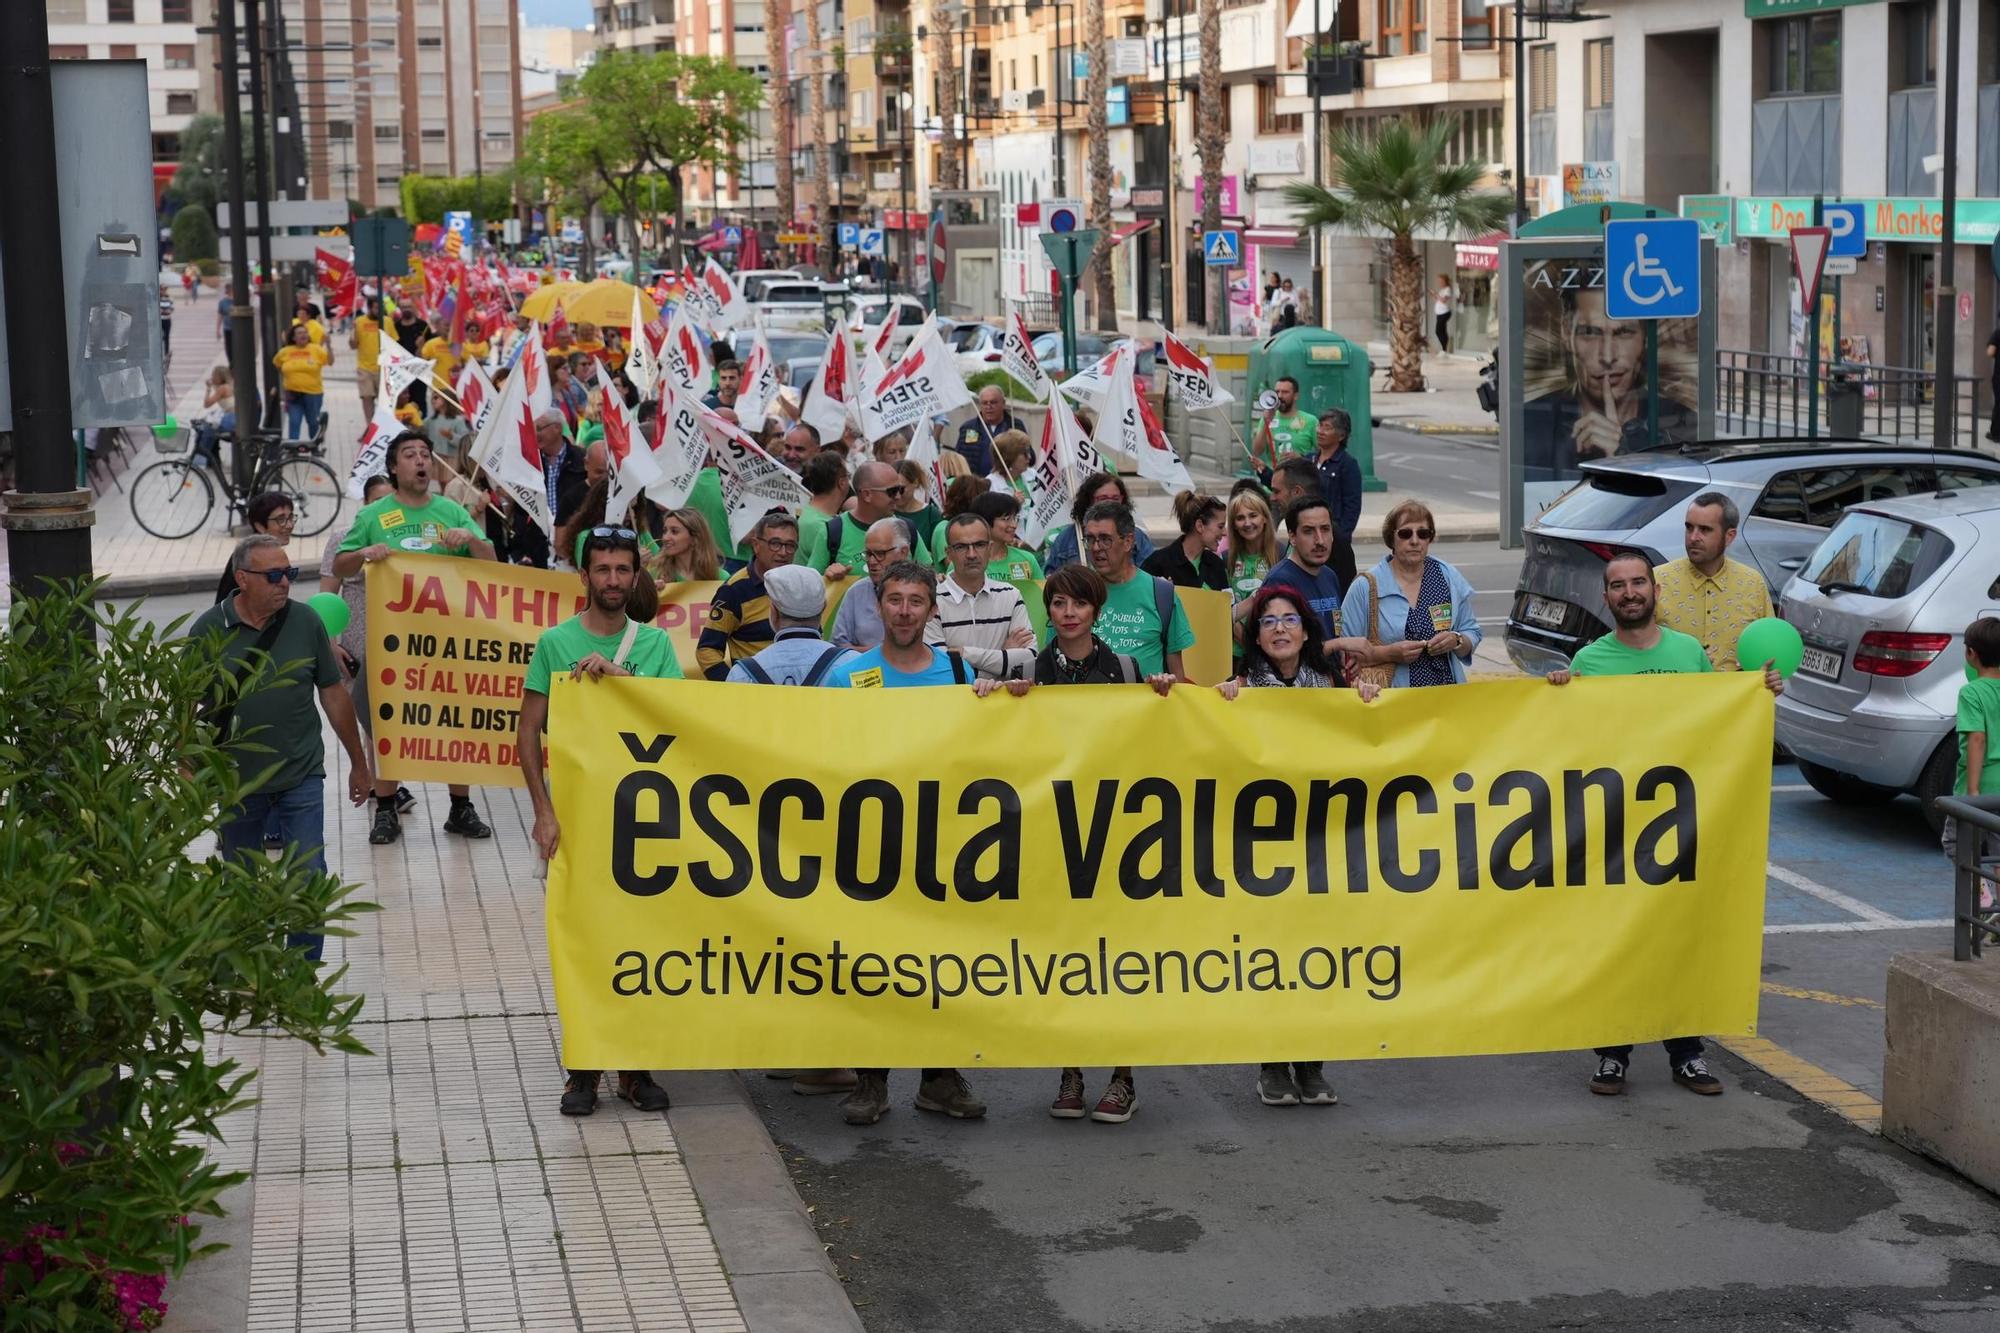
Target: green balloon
332,611
1770,640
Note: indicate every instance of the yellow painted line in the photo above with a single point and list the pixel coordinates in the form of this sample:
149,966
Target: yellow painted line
1808,1080
1820,996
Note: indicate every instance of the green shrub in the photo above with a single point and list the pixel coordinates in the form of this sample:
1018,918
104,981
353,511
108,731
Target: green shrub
194,235
120,954
1015,390
208,268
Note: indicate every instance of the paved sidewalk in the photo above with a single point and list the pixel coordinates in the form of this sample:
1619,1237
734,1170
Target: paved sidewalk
434,1185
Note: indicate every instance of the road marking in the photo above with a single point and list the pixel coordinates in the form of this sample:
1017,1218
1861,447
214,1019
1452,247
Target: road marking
1852,905
1857,927
1790,786
1808,1080
1820,996
1484,495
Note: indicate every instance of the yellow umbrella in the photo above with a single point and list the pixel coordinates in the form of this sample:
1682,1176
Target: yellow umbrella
541,303
608,301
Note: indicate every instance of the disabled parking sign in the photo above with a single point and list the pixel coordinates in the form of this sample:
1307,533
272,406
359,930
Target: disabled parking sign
1652,268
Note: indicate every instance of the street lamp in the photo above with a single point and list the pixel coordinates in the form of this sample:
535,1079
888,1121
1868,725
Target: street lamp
907,103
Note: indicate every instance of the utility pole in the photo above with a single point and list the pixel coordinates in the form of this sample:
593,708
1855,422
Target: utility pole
47,517
243,312
1944,396
1519,39
1318,67
1062,78
267,311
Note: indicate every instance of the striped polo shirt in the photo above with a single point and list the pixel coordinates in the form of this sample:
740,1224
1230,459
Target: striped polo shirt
739,624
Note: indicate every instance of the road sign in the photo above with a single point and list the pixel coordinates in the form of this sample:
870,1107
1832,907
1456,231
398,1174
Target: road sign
1062,215
1652,268
284,249
1070,251
1222,249
289,213
850,235
732,238
1809,246
1841,268
871,241
381,246
1848,224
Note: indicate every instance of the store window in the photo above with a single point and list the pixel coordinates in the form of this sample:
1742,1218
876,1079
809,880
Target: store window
1402,25
1805,56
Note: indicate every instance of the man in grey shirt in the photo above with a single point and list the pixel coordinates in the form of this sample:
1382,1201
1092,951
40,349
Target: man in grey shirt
858,623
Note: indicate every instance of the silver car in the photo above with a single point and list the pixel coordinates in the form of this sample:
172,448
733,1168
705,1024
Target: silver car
1790,493
1882,606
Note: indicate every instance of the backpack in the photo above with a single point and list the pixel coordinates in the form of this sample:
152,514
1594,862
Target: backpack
819,668
833,537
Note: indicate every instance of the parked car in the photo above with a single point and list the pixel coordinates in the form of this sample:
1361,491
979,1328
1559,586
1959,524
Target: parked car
1790,493
977,346
1882,605
1089,347
799,305
909,314
754,280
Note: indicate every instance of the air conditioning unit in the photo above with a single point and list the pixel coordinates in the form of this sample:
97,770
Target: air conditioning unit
1036,97
1013,100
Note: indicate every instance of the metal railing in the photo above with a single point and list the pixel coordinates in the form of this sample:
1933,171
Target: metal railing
1978,825
1763,393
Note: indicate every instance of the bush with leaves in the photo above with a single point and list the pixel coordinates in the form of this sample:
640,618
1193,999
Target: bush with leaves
194,235
1016,391
121,953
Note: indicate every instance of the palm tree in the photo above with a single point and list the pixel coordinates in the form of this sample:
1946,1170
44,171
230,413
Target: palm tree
781,112
822,155
1398,181
1097,200
1208,146
947,75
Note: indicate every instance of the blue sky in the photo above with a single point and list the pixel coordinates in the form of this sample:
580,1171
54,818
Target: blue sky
557,13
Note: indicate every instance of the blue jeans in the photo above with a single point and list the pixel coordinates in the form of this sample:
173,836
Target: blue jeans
299,815
302,415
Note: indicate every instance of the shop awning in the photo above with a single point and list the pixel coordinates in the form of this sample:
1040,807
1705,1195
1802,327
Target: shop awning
1278,236
1482,252
1127,230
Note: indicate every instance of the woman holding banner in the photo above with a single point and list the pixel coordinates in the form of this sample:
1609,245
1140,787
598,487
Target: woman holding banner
1417,608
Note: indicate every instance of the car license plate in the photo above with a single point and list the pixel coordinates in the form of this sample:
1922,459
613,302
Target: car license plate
1547,612
1821,662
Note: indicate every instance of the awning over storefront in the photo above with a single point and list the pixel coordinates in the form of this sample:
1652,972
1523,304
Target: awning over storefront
1282,237
1482,252
1125,231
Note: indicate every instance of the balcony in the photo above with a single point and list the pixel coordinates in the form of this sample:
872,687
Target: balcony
1912,138
1795,146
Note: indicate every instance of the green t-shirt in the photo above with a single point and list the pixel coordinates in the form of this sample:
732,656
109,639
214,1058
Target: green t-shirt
812,538
853,550
1247,576
1295,432
277,723
705,498
1675,654
389,522
1019,566
562,646
1979,710
1130,624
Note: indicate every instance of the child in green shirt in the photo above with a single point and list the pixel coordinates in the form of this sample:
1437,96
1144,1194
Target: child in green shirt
1978,726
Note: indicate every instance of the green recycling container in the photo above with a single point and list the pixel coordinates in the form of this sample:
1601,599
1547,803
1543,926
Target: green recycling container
1332,371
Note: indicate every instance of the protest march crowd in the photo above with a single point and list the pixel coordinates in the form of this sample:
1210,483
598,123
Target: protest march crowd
861,542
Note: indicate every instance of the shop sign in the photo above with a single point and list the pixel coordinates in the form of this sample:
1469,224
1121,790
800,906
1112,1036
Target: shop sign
1920,221
1715,212
1589,183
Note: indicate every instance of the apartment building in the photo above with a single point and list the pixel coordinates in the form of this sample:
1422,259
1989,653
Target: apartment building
644,26
1739,112
730,30
159,32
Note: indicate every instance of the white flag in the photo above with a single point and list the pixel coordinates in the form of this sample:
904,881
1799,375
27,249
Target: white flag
401,369
826,407
683,360
1017,358
756,384
923,383
641,366
476,396
633,467
513,457
1066,457
1192,379
1129,426
680,449
372,456
753,482
532,369
1089,385
726,307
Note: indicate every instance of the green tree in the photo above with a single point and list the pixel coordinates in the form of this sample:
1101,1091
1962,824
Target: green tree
202,179
1395,182
558,159
428,198
194,235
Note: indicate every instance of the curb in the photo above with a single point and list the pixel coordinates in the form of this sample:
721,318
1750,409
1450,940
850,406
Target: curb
776,1263
1424,426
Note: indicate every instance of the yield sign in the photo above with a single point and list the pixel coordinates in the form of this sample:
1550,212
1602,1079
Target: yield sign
1809,247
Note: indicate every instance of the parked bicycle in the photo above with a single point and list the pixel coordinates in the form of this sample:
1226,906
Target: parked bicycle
174,497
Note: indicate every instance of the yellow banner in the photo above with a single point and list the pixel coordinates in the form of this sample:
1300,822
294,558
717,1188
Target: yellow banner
1475,870
448,646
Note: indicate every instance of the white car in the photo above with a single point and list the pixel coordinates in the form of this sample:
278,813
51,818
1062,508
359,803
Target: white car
977,346
798,305
910,315
752,281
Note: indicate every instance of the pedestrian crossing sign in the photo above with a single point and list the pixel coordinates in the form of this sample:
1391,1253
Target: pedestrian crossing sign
1222,249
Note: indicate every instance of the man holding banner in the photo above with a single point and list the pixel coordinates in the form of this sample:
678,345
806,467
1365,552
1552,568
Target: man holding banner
1142,616
410,518
598,641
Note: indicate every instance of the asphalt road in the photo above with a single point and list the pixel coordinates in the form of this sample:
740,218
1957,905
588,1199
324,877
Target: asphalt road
1458,472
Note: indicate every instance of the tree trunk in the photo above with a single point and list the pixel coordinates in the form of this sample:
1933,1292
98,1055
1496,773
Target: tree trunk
829,236
1406,316
1097,206
776,12
1208,145
948,107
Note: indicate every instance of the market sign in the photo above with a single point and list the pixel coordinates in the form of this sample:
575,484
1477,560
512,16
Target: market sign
1920,221
1715,212
1771,9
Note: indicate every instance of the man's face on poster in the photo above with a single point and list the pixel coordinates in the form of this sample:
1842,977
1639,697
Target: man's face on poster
1609,354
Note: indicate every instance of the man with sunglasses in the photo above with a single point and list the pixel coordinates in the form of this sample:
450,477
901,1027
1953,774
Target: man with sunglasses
275,720
412,518
836,548
598,641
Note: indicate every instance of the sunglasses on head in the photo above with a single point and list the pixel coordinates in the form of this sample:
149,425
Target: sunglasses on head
282,574
611,539
1421,534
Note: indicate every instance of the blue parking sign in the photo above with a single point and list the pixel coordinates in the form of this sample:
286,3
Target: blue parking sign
1847,230
1652,268
850,235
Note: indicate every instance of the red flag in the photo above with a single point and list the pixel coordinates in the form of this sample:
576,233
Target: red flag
329,270
558,326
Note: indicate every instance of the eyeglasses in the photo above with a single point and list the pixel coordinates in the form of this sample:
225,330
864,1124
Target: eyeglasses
893,492
877,557
623,534
1421,534
776,547
284,518
968,548
283,574
1100,539
1289,620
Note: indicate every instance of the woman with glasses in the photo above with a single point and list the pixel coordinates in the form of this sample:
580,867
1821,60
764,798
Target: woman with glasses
1279,653
271,514
1420,606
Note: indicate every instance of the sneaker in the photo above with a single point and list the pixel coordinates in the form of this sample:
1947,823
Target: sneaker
387,829
1610,1079
1119,1101
950,1095
272,842
868,1102
1275,1086
1694,1076
580,1092
819,1082
465,821
405,799
637,1087
1068,1104
1314,1090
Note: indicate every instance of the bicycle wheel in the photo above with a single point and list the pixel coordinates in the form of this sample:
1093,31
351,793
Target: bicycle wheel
172,499
317,494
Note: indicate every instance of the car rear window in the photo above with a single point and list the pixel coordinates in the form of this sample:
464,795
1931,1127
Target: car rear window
1876,555
1615,501
777,294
